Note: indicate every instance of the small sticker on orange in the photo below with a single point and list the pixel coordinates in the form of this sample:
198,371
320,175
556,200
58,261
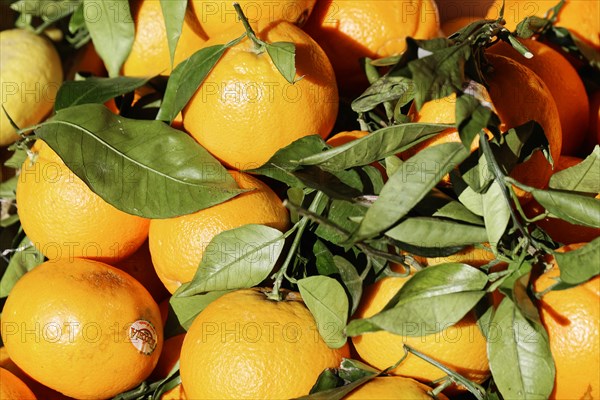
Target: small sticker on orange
143,336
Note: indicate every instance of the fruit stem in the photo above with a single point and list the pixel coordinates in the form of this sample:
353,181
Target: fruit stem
366,248
275,295
500,178
455,377
259,45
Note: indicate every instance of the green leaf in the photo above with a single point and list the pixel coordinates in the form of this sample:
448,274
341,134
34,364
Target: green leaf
295,195
471,117
165,172
458,212
472,200
409,185
236,259
340,213
283,55
387,88
439,74
345,185
578,266
519,355
48,11
8,190
424,316
435,298
324,259
188,76
571,207
23,260
583,177
340,392
284,161
17,159
111,28
77,20
496,213
518,144
375,146
434,232
327,380
183,310
173,14
351,280
328,303
95,90
352,370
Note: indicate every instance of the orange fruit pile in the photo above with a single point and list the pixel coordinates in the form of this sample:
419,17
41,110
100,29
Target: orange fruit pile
86,323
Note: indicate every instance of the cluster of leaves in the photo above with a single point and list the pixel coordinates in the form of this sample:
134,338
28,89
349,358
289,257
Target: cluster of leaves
360,213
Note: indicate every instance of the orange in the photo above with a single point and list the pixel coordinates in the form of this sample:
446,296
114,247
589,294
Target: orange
563,83
29,80
168,358
171,348
150,51
581,17
392,388
351,30
40,391
518,95
139,266
594,128
571,320
12,388
67,319
177,244
345,137
348,136
560,230
245,110
460,347
474,256
246,346
455,24
217,17
88,60
65,219
177,393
